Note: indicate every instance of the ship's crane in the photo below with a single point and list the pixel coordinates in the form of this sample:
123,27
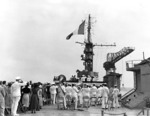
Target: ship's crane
112,78
112,58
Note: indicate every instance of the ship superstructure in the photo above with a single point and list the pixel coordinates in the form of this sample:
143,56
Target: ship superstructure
87,56
111,77
136,97
140,94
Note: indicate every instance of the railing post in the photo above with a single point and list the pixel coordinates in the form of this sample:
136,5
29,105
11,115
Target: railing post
147,112
143,111
124,114
102,112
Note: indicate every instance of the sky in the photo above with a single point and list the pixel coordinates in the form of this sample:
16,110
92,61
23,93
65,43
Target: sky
33,34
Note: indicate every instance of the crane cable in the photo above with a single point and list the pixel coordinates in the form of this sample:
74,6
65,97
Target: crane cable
97,57
122,80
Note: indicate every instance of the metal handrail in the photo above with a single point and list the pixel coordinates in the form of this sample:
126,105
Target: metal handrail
132,63
142,111
102,113
128,93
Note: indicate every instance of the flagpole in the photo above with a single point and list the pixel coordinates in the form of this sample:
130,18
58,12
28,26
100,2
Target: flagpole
89,29
88,50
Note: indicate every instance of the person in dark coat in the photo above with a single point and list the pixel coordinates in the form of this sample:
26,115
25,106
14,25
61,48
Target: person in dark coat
34,102
2,99
8,100
26,96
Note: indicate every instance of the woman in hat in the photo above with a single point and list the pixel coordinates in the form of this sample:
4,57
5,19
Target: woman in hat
34,98
40,97
25,98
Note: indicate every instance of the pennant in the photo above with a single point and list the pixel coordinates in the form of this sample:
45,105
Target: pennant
69,36
78,31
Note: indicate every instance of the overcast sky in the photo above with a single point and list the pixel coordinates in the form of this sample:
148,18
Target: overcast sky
33,34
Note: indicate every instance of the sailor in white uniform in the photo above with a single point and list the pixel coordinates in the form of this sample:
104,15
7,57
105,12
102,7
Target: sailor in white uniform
53,93
99,93
80,96
93,91
83,78
69,90
16,94
86,93
105,92
89,78
75,95
115,96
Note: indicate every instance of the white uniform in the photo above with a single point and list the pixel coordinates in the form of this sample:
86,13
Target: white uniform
75,95
69,90
88,79
86,92
53,93
99,94
115,97
83,78
93,91
80,96
16,93
63,95
105,92
99,91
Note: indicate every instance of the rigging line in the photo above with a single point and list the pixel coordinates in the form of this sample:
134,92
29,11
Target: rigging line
97,57
122,80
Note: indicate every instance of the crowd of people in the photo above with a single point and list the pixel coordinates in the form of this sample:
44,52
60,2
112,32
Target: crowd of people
22,96
27,96
101,95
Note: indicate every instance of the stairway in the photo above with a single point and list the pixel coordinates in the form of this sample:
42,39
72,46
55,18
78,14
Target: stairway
134,100
128,93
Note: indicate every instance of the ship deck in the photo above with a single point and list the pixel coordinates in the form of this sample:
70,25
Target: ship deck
51,110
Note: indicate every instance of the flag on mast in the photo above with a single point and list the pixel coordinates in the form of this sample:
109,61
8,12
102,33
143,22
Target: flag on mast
78,31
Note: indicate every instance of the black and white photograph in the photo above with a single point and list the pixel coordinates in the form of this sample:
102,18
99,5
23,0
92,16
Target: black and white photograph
75,57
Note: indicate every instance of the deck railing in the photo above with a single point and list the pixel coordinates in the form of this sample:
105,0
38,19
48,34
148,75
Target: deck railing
142,111
132,63
114,114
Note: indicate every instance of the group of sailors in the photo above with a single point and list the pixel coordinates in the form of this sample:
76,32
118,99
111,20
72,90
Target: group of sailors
107,98
32,96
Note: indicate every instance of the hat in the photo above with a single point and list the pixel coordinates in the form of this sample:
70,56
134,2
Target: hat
40,86
17,78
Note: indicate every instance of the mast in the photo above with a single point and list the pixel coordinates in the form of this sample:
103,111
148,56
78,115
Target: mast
89,29
88,50
88,53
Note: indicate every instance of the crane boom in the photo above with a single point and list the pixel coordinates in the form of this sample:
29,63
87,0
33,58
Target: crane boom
115,57
112,58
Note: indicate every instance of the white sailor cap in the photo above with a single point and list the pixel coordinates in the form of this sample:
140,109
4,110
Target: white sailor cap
40,86
18,77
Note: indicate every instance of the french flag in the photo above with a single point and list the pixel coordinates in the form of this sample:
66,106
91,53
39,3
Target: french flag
78,31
